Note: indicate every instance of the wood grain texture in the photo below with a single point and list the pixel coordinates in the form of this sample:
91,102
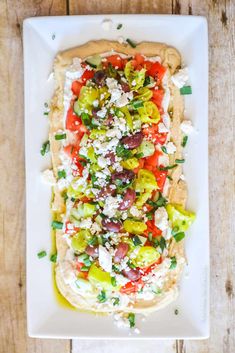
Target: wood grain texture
220,15
13,335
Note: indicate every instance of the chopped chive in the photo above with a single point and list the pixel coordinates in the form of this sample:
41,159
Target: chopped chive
73,199
176,311
46,105
162,243
130,264
184,141
116,301
157,291
168,167
173,263
185,90
136,240
53,36
169,177
119,26
147,81
137,104
139,155
90,64
116,269
131,43
53,258
61,174
84,269
149,215
179,236
60,137
45,113
175,230
102,297
131,318
113,281
57,225
163,148
41,254
178,161
45,148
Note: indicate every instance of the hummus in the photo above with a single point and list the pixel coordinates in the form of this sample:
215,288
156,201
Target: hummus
116,252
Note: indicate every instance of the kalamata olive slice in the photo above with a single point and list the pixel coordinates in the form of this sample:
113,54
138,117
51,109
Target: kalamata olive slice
125,176
92,251
109,120
132,141
112,226
105,191
99,77
111,157
121,251
128,200
125,87
132,274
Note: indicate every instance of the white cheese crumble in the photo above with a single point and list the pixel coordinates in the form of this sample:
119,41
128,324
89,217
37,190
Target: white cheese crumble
161,218
48,177
111,205
170,147
187,127
105,259
107,24
180,78
162,128
135,212
86,223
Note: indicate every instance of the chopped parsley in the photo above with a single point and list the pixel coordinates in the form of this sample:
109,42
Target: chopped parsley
131,43
179,161
57,225
185,90
62,174
41,254
45,148
122,152
179,236
168,167
60,137
86,120
147,81
184,141
53,258
139,155
131,318
102,297
113,281
173,263
136,240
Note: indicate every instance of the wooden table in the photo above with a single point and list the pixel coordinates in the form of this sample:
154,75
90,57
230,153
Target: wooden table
220,15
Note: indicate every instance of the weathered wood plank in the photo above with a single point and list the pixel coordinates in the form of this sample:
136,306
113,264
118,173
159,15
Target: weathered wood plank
13,335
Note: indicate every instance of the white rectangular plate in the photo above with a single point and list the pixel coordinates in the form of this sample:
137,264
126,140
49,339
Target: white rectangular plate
43,38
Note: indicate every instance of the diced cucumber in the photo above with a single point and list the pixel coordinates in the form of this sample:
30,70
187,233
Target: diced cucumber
94,61
146,148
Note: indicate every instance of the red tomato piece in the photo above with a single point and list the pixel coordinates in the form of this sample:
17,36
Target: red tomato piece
76,87
139,59
156,232
140,166
157,137
157,71
147,65
153,160
115,60
160,176
130,287
149,269
70,228
71,151
87,75
73,122
157,97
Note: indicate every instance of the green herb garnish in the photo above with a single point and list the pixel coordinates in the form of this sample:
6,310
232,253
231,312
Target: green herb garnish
116,301
179,161
175,230
176,311
162,243
41,254
93,241
64,195
119,26
86,120
185,90
179,236
46,113
57,225
168,167
147,81
131,43
150,236
149,215
45,148
184,141
122,152
163,148
102,297
173,263
53,258
136,240
61,174
84,268
169,177
131,318
137,104
130,264
60,137
113,281
139,155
